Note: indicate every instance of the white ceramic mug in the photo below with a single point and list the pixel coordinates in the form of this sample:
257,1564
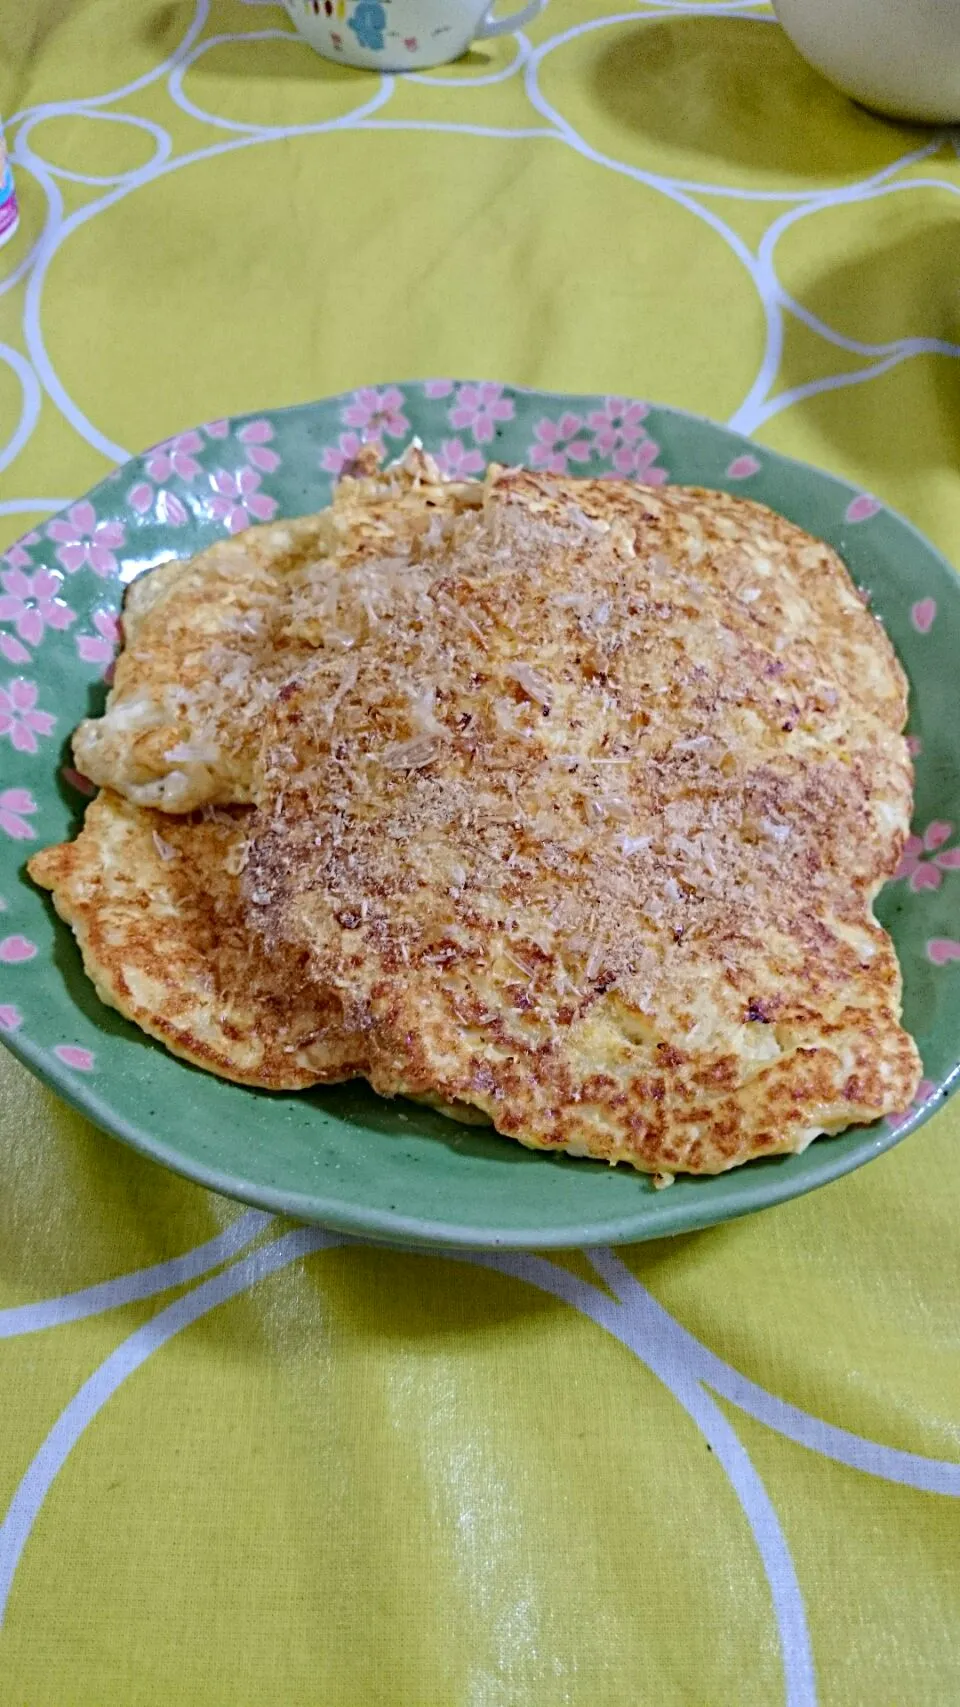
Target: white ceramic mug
400,35
900,57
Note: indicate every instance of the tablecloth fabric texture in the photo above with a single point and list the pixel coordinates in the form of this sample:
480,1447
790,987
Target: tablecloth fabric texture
241,1463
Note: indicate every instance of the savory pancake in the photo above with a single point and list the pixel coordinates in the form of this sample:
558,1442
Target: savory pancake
195,674
578,804
154,903
207,645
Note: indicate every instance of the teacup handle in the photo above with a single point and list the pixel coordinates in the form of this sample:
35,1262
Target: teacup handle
504,26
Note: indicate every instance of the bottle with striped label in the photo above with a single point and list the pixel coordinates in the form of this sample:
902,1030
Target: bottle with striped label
9,214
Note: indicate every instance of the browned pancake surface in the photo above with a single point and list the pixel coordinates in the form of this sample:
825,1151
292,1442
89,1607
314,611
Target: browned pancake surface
578,807
154,903
207,643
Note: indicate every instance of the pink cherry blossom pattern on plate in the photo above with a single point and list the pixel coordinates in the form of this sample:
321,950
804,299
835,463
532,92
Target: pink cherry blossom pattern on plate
99,648
636,462
556,441
176,456
255,437
238,501
18,557
456,462
619,422
743,467
374,412
478,408
14,949
925,1090
921,865
72,1055
16,806
30,602
942,949
861,508
11,1019
914,746
341,457
436,388
923,615
170,509
19,719
217,429
82,539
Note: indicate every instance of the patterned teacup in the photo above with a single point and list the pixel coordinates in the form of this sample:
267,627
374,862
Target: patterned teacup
400,35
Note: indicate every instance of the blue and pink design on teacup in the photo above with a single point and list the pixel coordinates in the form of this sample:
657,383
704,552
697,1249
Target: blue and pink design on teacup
366,18
399,35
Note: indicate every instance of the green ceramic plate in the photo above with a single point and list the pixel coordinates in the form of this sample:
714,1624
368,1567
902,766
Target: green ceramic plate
342,1156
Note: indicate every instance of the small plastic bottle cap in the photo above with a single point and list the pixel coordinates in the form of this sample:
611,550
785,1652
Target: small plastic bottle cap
9,212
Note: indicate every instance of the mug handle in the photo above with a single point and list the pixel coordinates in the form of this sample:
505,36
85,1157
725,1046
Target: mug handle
505,26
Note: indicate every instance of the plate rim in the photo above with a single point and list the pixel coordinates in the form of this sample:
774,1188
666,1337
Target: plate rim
373,1225
753,1192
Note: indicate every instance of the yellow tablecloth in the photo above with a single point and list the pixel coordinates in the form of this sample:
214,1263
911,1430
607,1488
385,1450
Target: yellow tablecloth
239,1465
